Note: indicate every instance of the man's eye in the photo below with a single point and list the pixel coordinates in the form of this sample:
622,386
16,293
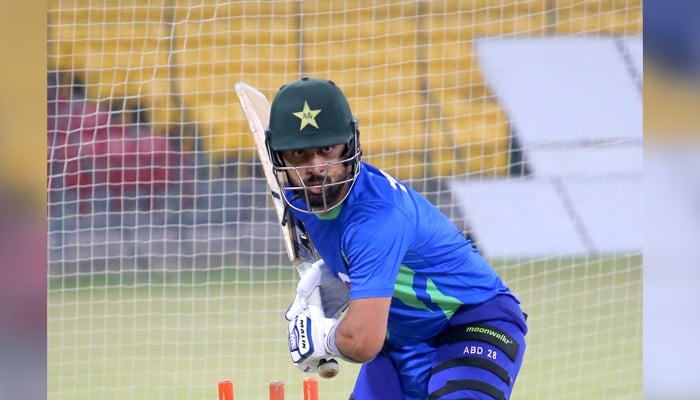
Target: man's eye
297,153
327,149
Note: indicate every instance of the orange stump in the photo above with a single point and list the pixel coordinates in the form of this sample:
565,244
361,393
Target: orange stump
225,389
276,390
310,389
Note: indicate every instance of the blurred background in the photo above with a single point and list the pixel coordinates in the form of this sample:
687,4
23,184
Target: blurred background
671,202
22,200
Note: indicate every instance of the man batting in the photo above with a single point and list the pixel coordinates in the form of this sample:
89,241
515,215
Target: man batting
427,316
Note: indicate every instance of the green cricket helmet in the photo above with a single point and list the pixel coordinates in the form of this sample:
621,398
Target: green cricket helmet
311,113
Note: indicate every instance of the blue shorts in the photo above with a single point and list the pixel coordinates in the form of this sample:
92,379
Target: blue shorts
477,357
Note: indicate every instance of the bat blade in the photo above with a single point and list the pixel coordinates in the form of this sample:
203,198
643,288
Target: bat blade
300,250
256,110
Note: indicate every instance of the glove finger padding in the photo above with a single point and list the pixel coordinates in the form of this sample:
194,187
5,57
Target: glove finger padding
310,280
334,293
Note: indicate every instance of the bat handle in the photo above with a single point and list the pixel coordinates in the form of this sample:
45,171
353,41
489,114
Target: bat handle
328,368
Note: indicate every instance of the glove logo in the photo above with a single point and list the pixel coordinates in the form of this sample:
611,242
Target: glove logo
303,342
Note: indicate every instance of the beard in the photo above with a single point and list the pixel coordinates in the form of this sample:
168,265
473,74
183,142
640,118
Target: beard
329,194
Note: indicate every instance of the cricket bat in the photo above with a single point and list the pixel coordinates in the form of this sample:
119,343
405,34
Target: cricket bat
300,250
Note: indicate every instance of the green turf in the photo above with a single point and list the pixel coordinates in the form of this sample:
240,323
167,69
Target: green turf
137,335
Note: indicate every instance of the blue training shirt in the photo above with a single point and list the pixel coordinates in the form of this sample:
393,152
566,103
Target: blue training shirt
386,240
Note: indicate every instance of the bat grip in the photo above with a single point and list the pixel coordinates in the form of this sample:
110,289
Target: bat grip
327,368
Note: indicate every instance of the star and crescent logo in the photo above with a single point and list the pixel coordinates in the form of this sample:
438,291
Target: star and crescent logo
307,116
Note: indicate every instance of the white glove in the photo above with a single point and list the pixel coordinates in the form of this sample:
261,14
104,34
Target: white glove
310,280
310,365
314,365
334,294
311,340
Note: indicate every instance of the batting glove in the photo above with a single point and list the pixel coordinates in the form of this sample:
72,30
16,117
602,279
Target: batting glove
310,340
335,295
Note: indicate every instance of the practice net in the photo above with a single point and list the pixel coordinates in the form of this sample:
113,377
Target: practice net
520,119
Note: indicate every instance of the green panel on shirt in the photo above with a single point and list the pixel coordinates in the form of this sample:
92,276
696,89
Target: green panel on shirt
403,289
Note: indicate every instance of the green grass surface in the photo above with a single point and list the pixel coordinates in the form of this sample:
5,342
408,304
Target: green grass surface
136,335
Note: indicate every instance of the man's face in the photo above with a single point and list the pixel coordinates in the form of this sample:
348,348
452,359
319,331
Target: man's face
318,174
